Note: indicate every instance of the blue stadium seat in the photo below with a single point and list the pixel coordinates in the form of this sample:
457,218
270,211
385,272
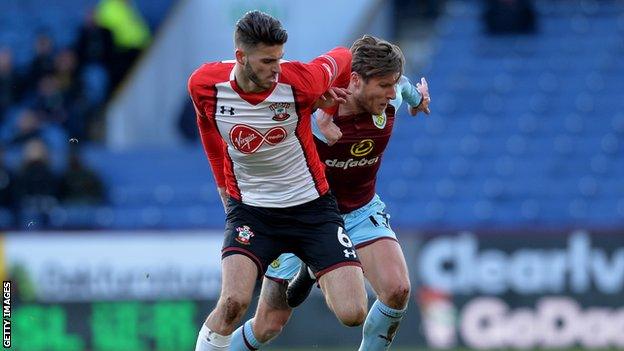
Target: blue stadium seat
6,219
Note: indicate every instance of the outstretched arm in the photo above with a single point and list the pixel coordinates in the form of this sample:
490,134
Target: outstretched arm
423,106
417,97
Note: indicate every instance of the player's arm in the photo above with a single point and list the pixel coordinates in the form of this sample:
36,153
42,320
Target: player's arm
213,147
211,141
336,68
316,77
334,95
417,97
324,128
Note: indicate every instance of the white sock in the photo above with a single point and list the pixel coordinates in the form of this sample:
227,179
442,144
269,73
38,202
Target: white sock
207,340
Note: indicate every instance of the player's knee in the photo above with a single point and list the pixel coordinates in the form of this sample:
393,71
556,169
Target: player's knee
353,316
233,308
397,294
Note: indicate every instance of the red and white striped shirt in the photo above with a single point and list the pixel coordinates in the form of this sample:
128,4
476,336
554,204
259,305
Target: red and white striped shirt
260,145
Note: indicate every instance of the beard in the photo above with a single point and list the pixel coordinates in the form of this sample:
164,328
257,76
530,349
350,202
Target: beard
364,104
251,74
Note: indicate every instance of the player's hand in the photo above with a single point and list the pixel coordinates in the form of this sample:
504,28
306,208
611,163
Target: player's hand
223,195
423,89
328,128
339,95
332,96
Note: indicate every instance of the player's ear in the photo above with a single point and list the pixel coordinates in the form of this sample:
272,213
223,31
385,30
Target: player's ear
355,79
240,56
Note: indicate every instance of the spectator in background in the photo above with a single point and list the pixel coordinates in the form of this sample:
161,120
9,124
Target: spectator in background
94,44
94,48
7,182
50,101
130,33
66,73
42,63
509,17
36,186
28,126
70,85
9,82
80,185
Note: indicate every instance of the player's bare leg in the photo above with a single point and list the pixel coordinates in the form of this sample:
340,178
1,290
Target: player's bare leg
272,309
271,316
238,278
386,271
345,294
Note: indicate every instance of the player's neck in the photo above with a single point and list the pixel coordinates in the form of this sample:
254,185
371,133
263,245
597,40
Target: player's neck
243,82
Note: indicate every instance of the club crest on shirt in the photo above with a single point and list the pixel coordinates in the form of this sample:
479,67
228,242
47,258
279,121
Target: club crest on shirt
280,109
244,235
380,120
276,263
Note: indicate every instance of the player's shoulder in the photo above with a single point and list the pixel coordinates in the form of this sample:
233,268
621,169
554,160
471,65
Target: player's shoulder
211,73
292,72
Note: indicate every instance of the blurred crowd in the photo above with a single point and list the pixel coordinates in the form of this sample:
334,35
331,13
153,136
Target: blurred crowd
54,104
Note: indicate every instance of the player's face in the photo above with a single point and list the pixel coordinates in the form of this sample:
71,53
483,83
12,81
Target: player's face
261,64
375,94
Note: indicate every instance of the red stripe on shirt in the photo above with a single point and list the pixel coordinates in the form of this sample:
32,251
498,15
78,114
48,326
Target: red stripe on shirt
230,178
303,132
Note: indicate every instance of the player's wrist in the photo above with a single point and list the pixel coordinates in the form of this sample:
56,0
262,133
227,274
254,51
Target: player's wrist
411,95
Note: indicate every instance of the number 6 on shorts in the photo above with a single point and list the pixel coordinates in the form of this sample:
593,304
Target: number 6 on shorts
343,238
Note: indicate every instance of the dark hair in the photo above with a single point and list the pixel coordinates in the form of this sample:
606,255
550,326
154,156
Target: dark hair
374,57
258,27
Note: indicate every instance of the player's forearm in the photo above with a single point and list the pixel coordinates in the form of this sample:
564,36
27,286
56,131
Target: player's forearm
408,92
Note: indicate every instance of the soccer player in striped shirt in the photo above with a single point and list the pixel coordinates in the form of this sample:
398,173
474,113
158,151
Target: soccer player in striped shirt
254,117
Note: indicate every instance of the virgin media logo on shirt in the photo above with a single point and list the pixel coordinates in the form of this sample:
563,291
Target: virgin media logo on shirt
248,140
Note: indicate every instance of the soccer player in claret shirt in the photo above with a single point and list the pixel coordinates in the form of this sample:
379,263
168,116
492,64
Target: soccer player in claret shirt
362,127
254,117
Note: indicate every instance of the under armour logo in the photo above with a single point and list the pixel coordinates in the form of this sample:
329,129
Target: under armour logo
229,109
349,253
